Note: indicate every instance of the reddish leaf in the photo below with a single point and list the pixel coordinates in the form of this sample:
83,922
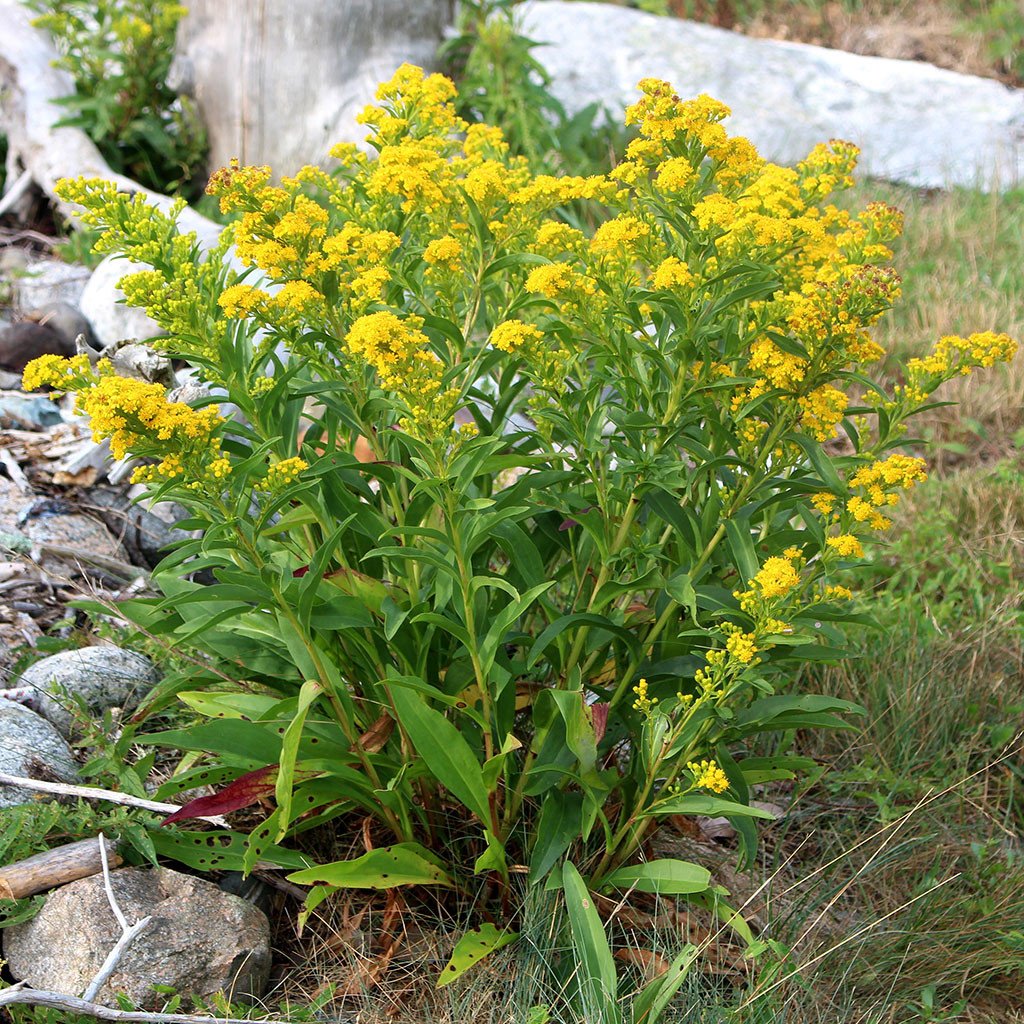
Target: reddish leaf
599,716
245,790
299,573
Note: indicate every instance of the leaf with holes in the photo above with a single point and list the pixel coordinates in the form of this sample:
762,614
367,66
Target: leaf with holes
218,851
472,948
386,868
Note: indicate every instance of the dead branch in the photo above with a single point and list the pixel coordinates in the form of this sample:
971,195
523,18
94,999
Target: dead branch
54,867
93,793
70,1004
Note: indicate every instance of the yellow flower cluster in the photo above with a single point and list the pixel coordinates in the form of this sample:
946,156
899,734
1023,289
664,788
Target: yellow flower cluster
776,578
58,372
707,775
672,273
243,300
135,417
445,251
512,335
643,703
821,410
741,646
286,471
954,354
620,236
880,483
847,545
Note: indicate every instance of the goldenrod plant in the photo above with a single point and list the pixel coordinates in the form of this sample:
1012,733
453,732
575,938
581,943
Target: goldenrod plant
119,53
516,535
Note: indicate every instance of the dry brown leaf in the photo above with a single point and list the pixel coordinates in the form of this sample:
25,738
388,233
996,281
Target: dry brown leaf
83,478
652,964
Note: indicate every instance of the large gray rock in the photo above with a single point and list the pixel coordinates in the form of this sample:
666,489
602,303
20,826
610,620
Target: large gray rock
102,303
30,747
200,942
47,282
915,123
104,677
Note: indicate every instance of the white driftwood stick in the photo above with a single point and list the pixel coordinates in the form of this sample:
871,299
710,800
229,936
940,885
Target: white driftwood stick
30,85
18,188
128,934
71,1004
92,793
18,478
114,956
111,899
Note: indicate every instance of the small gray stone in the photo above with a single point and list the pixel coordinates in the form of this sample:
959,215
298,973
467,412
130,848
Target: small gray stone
67,320
32,748
104,677
144,527
102,303
141,362
201,941
29,412
79,533
46,282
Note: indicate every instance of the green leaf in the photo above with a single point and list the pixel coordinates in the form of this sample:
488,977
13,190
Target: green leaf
667,877
503,622
311,689
561,821
383,868
712,806
742,547
217,851
445,752
597,977
247,706
655,996
472,948
577,619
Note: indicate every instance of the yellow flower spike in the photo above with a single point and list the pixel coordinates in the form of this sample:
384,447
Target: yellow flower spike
707,775
776,578
846,545
285,472
643,703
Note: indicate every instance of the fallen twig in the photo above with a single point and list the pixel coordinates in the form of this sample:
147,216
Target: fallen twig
18,478
93,793
111,565
18,188
128,933
71,1004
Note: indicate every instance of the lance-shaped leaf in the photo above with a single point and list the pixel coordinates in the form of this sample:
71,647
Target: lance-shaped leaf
472,948
443,749
243,792
668,877
384,868
597,977
311,689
